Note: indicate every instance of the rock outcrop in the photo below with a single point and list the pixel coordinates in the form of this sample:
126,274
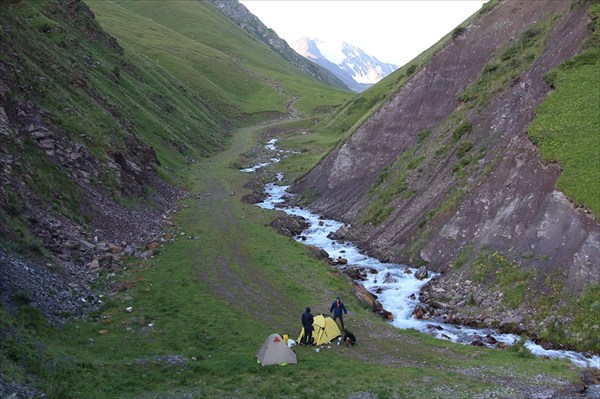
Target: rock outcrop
289,225
370,300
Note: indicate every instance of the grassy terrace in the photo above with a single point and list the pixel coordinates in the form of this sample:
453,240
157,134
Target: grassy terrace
213,57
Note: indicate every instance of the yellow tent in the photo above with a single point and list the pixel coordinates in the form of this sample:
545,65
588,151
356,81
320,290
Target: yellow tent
325,329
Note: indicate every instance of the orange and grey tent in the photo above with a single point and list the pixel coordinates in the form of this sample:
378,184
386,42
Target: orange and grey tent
325,329
275,351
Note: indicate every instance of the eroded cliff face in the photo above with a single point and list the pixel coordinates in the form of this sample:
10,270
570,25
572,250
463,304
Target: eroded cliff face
503,199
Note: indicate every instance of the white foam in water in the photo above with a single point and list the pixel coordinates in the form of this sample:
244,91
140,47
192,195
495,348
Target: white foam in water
255,167
271,145
395,294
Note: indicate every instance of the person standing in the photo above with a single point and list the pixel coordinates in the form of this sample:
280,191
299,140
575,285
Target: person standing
307,323
337,308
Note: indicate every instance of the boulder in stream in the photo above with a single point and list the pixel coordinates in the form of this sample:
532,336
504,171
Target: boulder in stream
371,301
421,273
289,225
389,278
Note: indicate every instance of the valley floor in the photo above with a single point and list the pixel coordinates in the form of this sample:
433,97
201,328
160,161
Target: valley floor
194,317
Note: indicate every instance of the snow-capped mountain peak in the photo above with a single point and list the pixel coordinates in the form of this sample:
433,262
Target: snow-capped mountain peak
353,65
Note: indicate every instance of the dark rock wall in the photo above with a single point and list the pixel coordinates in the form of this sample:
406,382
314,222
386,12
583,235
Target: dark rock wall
517,208
428,98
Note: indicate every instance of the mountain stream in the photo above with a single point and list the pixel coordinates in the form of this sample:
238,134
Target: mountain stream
397,290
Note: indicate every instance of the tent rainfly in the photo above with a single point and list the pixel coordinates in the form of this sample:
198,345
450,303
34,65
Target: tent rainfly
325,329
275,351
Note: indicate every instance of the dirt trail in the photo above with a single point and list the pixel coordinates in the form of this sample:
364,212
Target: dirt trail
229,269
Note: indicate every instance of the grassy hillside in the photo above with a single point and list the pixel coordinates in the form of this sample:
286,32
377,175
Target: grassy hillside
95,91
214,57
566,128
62,74
173,90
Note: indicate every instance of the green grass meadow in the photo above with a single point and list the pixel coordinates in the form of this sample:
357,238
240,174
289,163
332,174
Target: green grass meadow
214,57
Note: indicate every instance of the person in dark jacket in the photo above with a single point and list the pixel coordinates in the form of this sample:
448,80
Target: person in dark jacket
337,308
307,322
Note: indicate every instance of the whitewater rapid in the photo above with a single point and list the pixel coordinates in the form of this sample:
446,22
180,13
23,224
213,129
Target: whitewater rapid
396,289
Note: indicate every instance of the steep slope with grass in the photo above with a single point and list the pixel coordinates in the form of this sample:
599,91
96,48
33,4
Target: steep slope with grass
445,174
89,134
251,24
94,134
243,77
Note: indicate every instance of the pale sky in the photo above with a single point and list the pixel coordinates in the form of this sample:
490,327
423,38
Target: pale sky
394,31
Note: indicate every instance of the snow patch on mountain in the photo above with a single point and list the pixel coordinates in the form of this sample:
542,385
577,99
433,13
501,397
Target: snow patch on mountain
332,50
353,65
